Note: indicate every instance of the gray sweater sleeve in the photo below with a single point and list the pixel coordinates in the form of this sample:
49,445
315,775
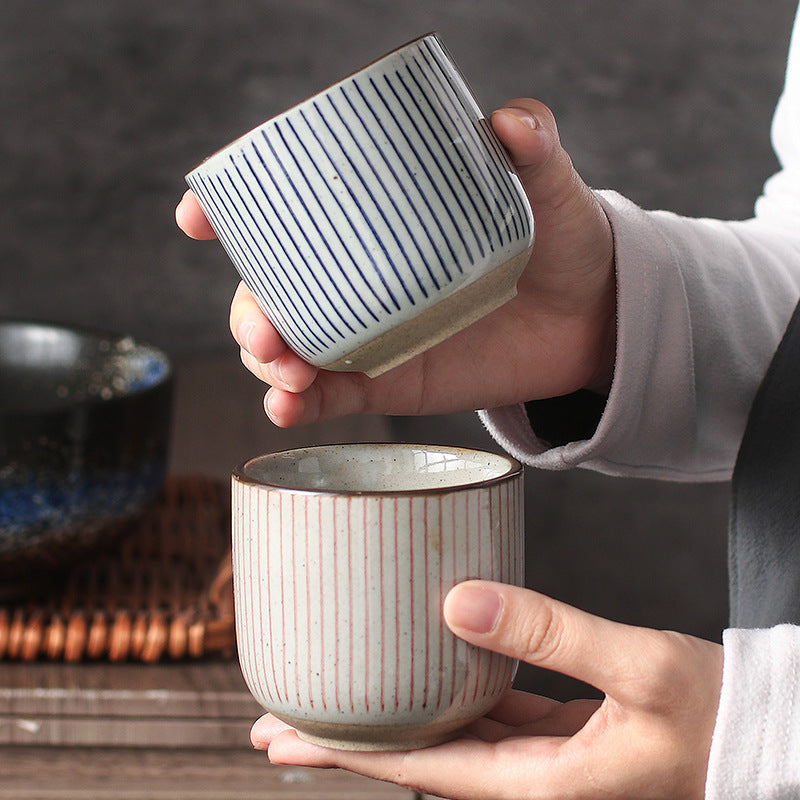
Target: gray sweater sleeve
701,307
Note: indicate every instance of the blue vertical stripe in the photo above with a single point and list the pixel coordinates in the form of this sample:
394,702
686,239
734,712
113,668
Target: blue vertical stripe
312,193
319,264
495,182
362,212
442,137
272,258
255,278
481,135
344,220
417,119
377,207
371,153
297,273
411,176
435,185
463,130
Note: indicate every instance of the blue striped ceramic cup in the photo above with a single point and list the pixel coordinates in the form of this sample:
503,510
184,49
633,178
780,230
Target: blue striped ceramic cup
376,218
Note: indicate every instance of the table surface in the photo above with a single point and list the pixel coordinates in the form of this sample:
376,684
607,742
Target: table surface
168,730
69,773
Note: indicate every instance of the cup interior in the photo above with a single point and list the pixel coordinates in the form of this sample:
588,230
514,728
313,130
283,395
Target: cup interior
377,468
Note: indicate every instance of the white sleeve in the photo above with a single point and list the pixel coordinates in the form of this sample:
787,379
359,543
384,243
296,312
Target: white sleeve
756,742
755,750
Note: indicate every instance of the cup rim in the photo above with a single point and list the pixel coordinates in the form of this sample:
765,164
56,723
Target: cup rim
321,92
514,470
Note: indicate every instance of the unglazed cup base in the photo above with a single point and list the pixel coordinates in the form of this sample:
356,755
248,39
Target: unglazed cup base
437,323
376,738
375,746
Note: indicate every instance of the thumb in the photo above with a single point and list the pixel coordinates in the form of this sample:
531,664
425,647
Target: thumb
546,633
191,219
528,131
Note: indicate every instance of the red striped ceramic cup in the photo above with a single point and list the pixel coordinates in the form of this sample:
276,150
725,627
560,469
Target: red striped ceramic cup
376,218
342,557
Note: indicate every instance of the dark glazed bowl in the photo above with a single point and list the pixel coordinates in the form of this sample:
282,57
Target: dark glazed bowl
84,433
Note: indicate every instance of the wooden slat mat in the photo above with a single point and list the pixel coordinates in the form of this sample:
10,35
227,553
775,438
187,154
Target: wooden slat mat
164,592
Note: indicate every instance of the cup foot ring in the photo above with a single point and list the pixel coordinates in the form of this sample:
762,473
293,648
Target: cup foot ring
375,745
439,322
374,738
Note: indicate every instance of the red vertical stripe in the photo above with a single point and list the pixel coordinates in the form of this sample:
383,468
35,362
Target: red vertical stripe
491,657
337,659
479,660
262,604
463,496
412,616
240,602
321,567
255,612
439,627
307,570
426,551
367,600
395,502
295,592
281,583
499,665
350,629
382,628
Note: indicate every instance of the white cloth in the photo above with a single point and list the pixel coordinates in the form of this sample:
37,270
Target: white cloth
702,305
754,753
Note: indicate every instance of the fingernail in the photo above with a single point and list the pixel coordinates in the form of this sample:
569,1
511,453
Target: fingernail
525,117
245,332
276,367
473,608
179,211
268,404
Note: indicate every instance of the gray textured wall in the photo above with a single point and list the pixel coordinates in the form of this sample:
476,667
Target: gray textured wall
105,105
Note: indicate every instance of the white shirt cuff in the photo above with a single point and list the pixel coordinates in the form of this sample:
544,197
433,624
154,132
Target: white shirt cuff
755,750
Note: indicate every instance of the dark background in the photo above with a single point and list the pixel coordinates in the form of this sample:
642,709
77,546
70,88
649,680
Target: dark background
105,106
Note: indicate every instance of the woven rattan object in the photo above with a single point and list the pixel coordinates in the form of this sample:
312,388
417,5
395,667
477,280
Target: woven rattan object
163,592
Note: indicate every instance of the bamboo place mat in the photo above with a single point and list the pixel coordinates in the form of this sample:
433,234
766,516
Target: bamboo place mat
164,592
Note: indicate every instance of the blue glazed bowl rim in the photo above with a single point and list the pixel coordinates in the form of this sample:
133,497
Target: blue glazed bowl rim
159,373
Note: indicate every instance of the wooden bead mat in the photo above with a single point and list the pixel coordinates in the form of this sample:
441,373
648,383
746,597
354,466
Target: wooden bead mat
163,591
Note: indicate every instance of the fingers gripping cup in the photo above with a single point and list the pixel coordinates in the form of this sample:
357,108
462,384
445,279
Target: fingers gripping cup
376,218
342,557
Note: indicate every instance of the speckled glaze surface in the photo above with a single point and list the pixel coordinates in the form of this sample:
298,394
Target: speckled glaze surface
342,557
362,209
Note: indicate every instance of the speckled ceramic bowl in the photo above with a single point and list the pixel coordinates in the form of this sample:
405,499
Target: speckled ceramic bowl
342,557
376,218
84,428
